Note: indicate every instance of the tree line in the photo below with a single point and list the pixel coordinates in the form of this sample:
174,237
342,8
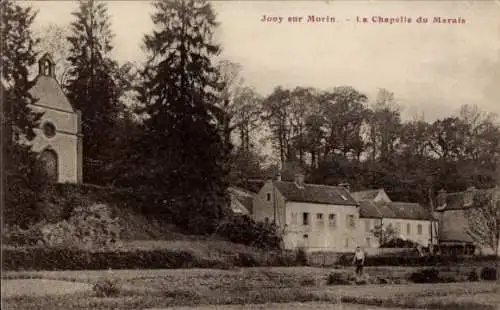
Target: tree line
183,124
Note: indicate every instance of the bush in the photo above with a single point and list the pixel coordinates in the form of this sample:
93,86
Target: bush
489,274
430,275
301,257
16,236
394,260
89,227
338,278
244,230
106,288
399,243
42,258
472,276
345,260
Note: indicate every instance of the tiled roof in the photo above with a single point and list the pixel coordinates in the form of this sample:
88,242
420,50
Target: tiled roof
457,201
49,93
455,235
396,210
365,195
243,196
313,193
408,210
368,208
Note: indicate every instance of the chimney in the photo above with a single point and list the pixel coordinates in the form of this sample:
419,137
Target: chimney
347,186
276,174
299,179
441,198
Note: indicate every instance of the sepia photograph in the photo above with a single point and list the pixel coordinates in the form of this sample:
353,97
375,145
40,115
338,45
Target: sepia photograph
240,155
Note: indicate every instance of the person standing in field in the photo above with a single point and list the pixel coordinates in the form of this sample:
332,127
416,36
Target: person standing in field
359,260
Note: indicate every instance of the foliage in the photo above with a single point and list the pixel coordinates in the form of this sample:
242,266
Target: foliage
301,257
91,86
488,273
399,243
106,288
60,258
338,278
244,230
23,181
413,260
484,219
16,236
182,152
91,227
429,275
53,40
385,234
473,276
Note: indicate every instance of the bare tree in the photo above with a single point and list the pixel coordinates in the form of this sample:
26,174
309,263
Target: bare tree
484,219
384,233
53,40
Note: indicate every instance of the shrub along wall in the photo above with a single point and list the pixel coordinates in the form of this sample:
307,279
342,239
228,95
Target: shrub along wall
41,258
414,260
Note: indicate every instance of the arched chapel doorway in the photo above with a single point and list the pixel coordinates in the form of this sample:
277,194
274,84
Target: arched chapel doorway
49,163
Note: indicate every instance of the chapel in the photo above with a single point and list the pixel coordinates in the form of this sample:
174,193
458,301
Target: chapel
58,140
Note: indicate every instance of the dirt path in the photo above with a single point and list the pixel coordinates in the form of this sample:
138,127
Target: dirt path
41,287
285,306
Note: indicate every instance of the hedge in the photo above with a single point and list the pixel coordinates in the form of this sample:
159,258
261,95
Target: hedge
51,259
416,261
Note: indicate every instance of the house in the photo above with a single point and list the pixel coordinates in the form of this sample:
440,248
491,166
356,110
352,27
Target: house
58,140
312,217
410,221
241,200
450,212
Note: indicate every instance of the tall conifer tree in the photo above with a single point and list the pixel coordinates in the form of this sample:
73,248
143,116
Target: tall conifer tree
22,181
91,87
184,153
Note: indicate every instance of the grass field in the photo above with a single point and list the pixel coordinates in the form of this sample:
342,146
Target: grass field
140,289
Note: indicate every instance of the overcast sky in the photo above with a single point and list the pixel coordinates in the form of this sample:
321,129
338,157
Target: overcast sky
431,68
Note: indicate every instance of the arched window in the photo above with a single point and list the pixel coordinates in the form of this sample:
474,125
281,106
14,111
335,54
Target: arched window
49,163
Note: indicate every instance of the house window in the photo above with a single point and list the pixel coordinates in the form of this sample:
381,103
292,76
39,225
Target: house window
367,225
346,243
419,229
351,221
305,218
319,219
294,218
398,228
408,228
332,220
368,241
268,197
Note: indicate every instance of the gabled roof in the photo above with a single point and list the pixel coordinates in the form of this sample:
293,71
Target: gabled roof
365,195
394,210
313,193
459,201
409,210
243,196
369,209
49,94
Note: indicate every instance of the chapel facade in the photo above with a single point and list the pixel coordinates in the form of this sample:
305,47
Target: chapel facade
59,137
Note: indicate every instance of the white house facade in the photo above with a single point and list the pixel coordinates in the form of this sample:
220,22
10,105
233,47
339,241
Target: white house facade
312,217
410,221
